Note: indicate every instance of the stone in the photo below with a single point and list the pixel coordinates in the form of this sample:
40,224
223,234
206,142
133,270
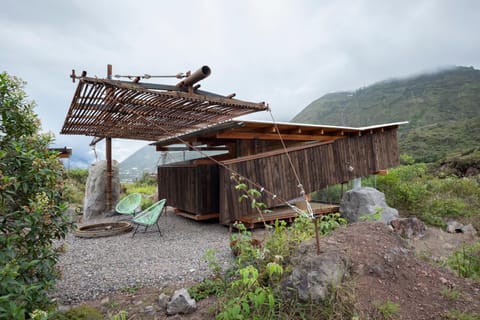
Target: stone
409,228
454,226
312,276
163,300
469,229
181,303
149,310
366,202
95,196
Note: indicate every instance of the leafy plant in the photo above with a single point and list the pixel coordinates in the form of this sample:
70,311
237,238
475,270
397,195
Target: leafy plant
209,286
74,190
376,216
129,289
466,261
247,298
122,315
32,206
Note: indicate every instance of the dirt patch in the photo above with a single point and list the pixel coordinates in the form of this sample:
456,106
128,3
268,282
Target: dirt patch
386,270
437,245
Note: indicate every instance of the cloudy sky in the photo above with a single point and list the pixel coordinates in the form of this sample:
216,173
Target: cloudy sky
286,53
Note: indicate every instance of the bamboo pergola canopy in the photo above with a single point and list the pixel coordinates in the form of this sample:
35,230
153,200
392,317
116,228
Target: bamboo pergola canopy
121,109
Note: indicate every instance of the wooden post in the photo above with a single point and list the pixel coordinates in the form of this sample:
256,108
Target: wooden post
108,154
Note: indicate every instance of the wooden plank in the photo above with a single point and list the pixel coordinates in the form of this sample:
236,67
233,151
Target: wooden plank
285,213
274,136
197,217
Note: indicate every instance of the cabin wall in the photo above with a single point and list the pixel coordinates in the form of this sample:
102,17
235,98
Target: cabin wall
317,168
190,188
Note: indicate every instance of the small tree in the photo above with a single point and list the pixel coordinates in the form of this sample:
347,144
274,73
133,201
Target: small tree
31,205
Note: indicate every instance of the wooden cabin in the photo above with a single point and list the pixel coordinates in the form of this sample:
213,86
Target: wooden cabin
274,157
271,156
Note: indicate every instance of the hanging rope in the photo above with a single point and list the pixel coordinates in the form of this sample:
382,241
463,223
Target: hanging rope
233,172
299,183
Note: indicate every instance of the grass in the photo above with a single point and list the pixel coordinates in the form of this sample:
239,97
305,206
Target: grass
451,293
388,310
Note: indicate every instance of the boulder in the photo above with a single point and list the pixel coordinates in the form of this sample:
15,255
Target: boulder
469,229
409,228
366,202
456,227
163,301
313,275
181,303
95,203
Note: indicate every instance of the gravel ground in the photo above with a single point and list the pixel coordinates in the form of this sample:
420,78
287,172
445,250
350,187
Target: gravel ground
92,268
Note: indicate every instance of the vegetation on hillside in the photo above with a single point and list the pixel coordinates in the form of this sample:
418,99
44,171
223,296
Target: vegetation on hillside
417,191
439,140
249,290
443,110
31,206
146,185
424,191
75,183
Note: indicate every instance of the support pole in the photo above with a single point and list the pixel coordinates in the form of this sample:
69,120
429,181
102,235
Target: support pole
317,236
108,154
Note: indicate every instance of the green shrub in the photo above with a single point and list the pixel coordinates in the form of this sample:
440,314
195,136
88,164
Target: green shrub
146,202
81,312
248,292
466,261
31,206
74,186
433,199
388,310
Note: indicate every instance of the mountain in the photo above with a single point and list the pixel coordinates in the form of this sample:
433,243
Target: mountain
443,110
147,159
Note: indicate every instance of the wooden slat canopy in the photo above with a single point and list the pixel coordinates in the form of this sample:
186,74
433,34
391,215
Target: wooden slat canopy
251,130
121,109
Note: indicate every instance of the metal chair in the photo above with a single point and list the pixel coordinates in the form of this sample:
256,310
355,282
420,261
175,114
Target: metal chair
149,216
129,204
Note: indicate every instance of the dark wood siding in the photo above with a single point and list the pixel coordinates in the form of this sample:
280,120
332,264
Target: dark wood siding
317,167
190,188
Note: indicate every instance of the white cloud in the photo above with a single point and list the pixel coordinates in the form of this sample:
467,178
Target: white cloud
286,53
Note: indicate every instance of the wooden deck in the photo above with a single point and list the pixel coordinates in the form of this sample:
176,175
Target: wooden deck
286,213
196,217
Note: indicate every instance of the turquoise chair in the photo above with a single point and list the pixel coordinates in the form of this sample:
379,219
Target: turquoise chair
150,216
129,204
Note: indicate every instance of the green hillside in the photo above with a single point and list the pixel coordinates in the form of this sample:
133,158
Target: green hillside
443,110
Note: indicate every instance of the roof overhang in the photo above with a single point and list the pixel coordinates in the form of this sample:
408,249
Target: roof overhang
120,109
268,130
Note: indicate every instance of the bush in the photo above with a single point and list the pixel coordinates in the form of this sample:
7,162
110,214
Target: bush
466,261
75,182
31,206
81,312
249,290
433,199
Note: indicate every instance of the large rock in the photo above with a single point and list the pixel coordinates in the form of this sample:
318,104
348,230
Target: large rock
181,303
313,275
95,203
366,202
409,228
456,227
